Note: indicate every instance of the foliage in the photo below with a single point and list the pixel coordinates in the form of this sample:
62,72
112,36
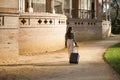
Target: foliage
112,56
115,16
116,29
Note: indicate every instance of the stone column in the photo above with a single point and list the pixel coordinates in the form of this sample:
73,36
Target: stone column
62,6
30,9
99,9
21,5
79,9
52,6
95,9
75,6
70,11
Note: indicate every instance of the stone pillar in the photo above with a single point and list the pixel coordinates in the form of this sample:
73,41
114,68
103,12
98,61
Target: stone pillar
63,7
95,9
21,5
79,8
75,8
52,6
70,11
99,10
30,9
48,6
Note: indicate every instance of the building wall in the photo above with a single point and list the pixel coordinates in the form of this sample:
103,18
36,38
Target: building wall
33,37
41,33
8,31
9,37
34,41
106,28
88,33
86,29
12,3
9,6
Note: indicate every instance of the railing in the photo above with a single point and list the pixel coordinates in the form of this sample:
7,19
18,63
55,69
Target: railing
86,14
40,30
85,29
81,23
41,20
9,20
82,13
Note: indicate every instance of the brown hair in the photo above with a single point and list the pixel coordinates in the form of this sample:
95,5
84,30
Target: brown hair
69,32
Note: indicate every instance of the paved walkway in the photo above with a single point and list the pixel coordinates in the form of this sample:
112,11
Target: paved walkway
55,66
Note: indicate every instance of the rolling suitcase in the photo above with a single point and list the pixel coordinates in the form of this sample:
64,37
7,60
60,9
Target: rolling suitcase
74,58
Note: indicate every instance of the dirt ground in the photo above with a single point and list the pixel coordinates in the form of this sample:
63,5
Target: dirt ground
55,66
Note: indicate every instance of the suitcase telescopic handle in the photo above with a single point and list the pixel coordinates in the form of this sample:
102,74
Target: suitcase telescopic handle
77,47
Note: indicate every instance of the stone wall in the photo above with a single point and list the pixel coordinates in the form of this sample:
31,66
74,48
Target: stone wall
86,29
41,40
9,6
106,28
8,37
41,33
9,3
87,33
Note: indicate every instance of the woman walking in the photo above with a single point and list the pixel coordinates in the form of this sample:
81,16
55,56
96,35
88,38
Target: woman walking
70,40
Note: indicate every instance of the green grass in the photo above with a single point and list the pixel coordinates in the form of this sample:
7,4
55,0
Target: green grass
112,56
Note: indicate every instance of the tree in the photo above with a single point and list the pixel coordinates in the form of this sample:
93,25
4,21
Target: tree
115,5
115,16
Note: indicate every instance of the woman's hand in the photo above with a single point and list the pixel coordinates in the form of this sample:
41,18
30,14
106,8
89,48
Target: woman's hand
76,45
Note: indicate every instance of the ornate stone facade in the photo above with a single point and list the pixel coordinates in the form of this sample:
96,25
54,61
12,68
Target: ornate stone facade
28,31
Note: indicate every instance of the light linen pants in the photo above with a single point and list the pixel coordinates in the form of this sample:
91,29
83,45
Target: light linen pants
70,46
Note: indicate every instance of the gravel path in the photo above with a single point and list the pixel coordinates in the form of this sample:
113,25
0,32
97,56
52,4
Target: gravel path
55,66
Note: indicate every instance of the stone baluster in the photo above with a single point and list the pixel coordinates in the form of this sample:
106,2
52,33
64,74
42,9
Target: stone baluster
52,6
30,9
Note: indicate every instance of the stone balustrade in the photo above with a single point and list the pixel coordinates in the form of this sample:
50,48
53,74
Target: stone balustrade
41,20
41,32
87,29
9,20
9,37
82,23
